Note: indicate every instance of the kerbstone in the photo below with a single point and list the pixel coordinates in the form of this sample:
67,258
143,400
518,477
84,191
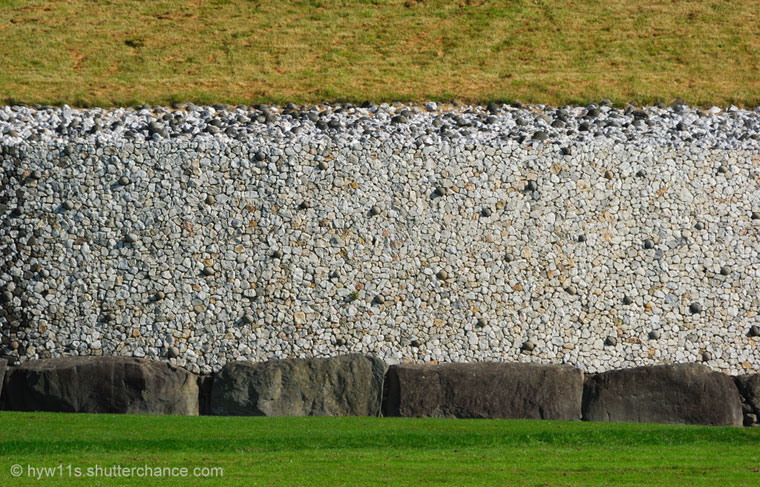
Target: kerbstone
348,385
484,390
101,385
682,393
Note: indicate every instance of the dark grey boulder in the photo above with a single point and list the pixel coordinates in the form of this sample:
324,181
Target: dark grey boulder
679,393
348,385
101,385
749,389
484,390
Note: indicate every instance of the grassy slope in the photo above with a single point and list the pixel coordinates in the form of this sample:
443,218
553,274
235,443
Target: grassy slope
391,451
115,52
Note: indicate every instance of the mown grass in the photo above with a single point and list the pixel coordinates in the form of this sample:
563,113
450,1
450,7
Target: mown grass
378,451
121,52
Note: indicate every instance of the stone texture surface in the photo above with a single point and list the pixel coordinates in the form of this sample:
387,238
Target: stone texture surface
681,393
749,389
484,390
101,385
348,385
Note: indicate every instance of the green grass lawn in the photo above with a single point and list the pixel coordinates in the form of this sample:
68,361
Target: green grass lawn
377,451
116,52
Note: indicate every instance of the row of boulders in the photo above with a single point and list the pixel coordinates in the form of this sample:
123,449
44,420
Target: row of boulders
355,385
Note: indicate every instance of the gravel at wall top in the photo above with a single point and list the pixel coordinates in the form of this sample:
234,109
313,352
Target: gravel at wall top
593,236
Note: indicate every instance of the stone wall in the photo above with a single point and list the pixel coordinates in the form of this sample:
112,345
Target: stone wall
599,254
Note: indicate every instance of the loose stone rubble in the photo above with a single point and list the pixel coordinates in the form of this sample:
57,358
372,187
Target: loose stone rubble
598,237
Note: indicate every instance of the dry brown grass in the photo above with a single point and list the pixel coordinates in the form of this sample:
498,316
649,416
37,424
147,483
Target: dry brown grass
549,51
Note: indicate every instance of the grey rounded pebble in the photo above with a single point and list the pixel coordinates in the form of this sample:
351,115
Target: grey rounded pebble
248,319
654,335
415,343
695,308
123,181
441,191
486,212
581,238
725,270
277,254
159,296
610,341
699,226
68,205
571,290
641,173
481,323
527,346
131,238
6,297
109,317
173,352
648,244
531,186
260,156
722,169
509,257
208,271
706,356
566,151
379,299
754,331
323,165
36,174
210,199
374,211
755,215
627,300
442,275
608,174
